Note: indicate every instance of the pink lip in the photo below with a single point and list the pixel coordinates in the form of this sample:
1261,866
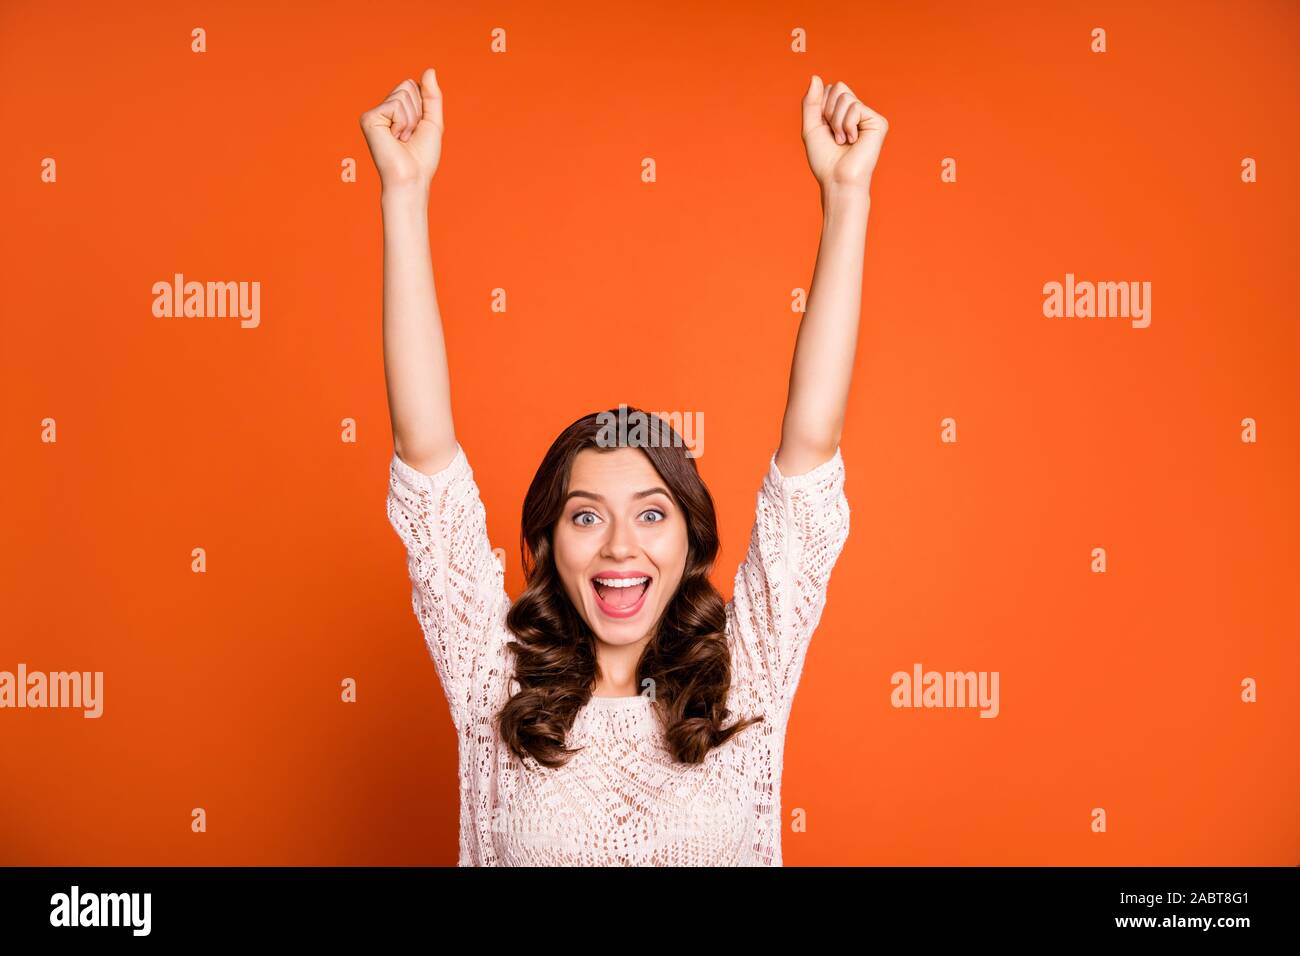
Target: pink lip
621,612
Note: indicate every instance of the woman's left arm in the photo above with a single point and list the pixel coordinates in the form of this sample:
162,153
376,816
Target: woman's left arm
843,138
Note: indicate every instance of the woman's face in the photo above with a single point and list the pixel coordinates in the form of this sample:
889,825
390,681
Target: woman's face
619,521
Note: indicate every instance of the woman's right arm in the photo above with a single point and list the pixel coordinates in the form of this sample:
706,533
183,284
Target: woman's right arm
404,134
415,356
458,587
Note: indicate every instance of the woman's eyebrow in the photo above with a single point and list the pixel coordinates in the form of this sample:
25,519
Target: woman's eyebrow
640,494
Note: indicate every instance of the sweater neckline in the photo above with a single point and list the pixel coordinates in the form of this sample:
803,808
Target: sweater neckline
617,701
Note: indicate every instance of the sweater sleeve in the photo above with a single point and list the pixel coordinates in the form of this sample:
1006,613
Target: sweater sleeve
458,587
800,528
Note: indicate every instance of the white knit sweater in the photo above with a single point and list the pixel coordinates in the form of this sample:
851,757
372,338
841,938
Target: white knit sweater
622,800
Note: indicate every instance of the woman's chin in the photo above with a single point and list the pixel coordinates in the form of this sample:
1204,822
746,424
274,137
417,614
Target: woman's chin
616,632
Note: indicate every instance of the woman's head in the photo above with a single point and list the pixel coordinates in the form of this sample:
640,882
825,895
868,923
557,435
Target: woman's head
620,525
601,507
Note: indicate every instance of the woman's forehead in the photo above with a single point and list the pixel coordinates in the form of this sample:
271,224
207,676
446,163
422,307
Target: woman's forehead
613,471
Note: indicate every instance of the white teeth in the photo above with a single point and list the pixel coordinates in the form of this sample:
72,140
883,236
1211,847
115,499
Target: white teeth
621,582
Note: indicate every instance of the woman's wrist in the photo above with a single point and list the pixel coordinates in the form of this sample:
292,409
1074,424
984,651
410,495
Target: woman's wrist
843,195
845,209
404,195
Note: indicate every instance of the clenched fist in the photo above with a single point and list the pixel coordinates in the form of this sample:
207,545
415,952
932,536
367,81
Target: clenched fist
842,135
404,133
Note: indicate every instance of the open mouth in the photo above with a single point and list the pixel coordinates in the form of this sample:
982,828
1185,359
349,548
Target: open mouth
623,599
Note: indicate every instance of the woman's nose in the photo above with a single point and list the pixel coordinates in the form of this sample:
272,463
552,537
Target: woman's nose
621,540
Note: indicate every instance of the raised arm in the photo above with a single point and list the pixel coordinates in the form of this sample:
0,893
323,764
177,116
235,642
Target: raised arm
843,138
457,585
801,521
404,134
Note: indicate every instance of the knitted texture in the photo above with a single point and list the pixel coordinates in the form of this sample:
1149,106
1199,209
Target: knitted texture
622,800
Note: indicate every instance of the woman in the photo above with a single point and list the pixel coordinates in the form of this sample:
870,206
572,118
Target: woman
619,712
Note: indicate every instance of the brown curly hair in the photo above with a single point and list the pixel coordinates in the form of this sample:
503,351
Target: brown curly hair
687,659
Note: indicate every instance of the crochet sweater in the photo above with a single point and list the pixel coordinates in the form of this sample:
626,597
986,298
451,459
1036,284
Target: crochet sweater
623,799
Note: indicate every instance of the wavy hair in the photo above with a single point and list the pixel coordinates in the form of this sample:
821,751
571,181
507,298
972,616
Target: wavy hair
687,658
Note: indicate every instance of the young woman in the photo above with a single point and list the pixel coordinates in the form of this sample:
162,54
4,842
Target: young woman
619,713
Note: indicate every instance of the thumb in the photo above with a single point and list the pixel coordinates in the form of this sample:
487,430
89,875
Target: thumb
431,97
812,104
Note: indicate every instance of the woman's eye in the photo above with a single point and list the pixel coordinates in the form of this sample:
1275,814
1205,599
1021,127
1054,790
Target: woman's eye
577,518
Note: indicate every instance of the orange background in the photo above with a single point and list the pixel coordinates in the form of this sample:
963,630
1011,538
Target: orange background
1118,690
